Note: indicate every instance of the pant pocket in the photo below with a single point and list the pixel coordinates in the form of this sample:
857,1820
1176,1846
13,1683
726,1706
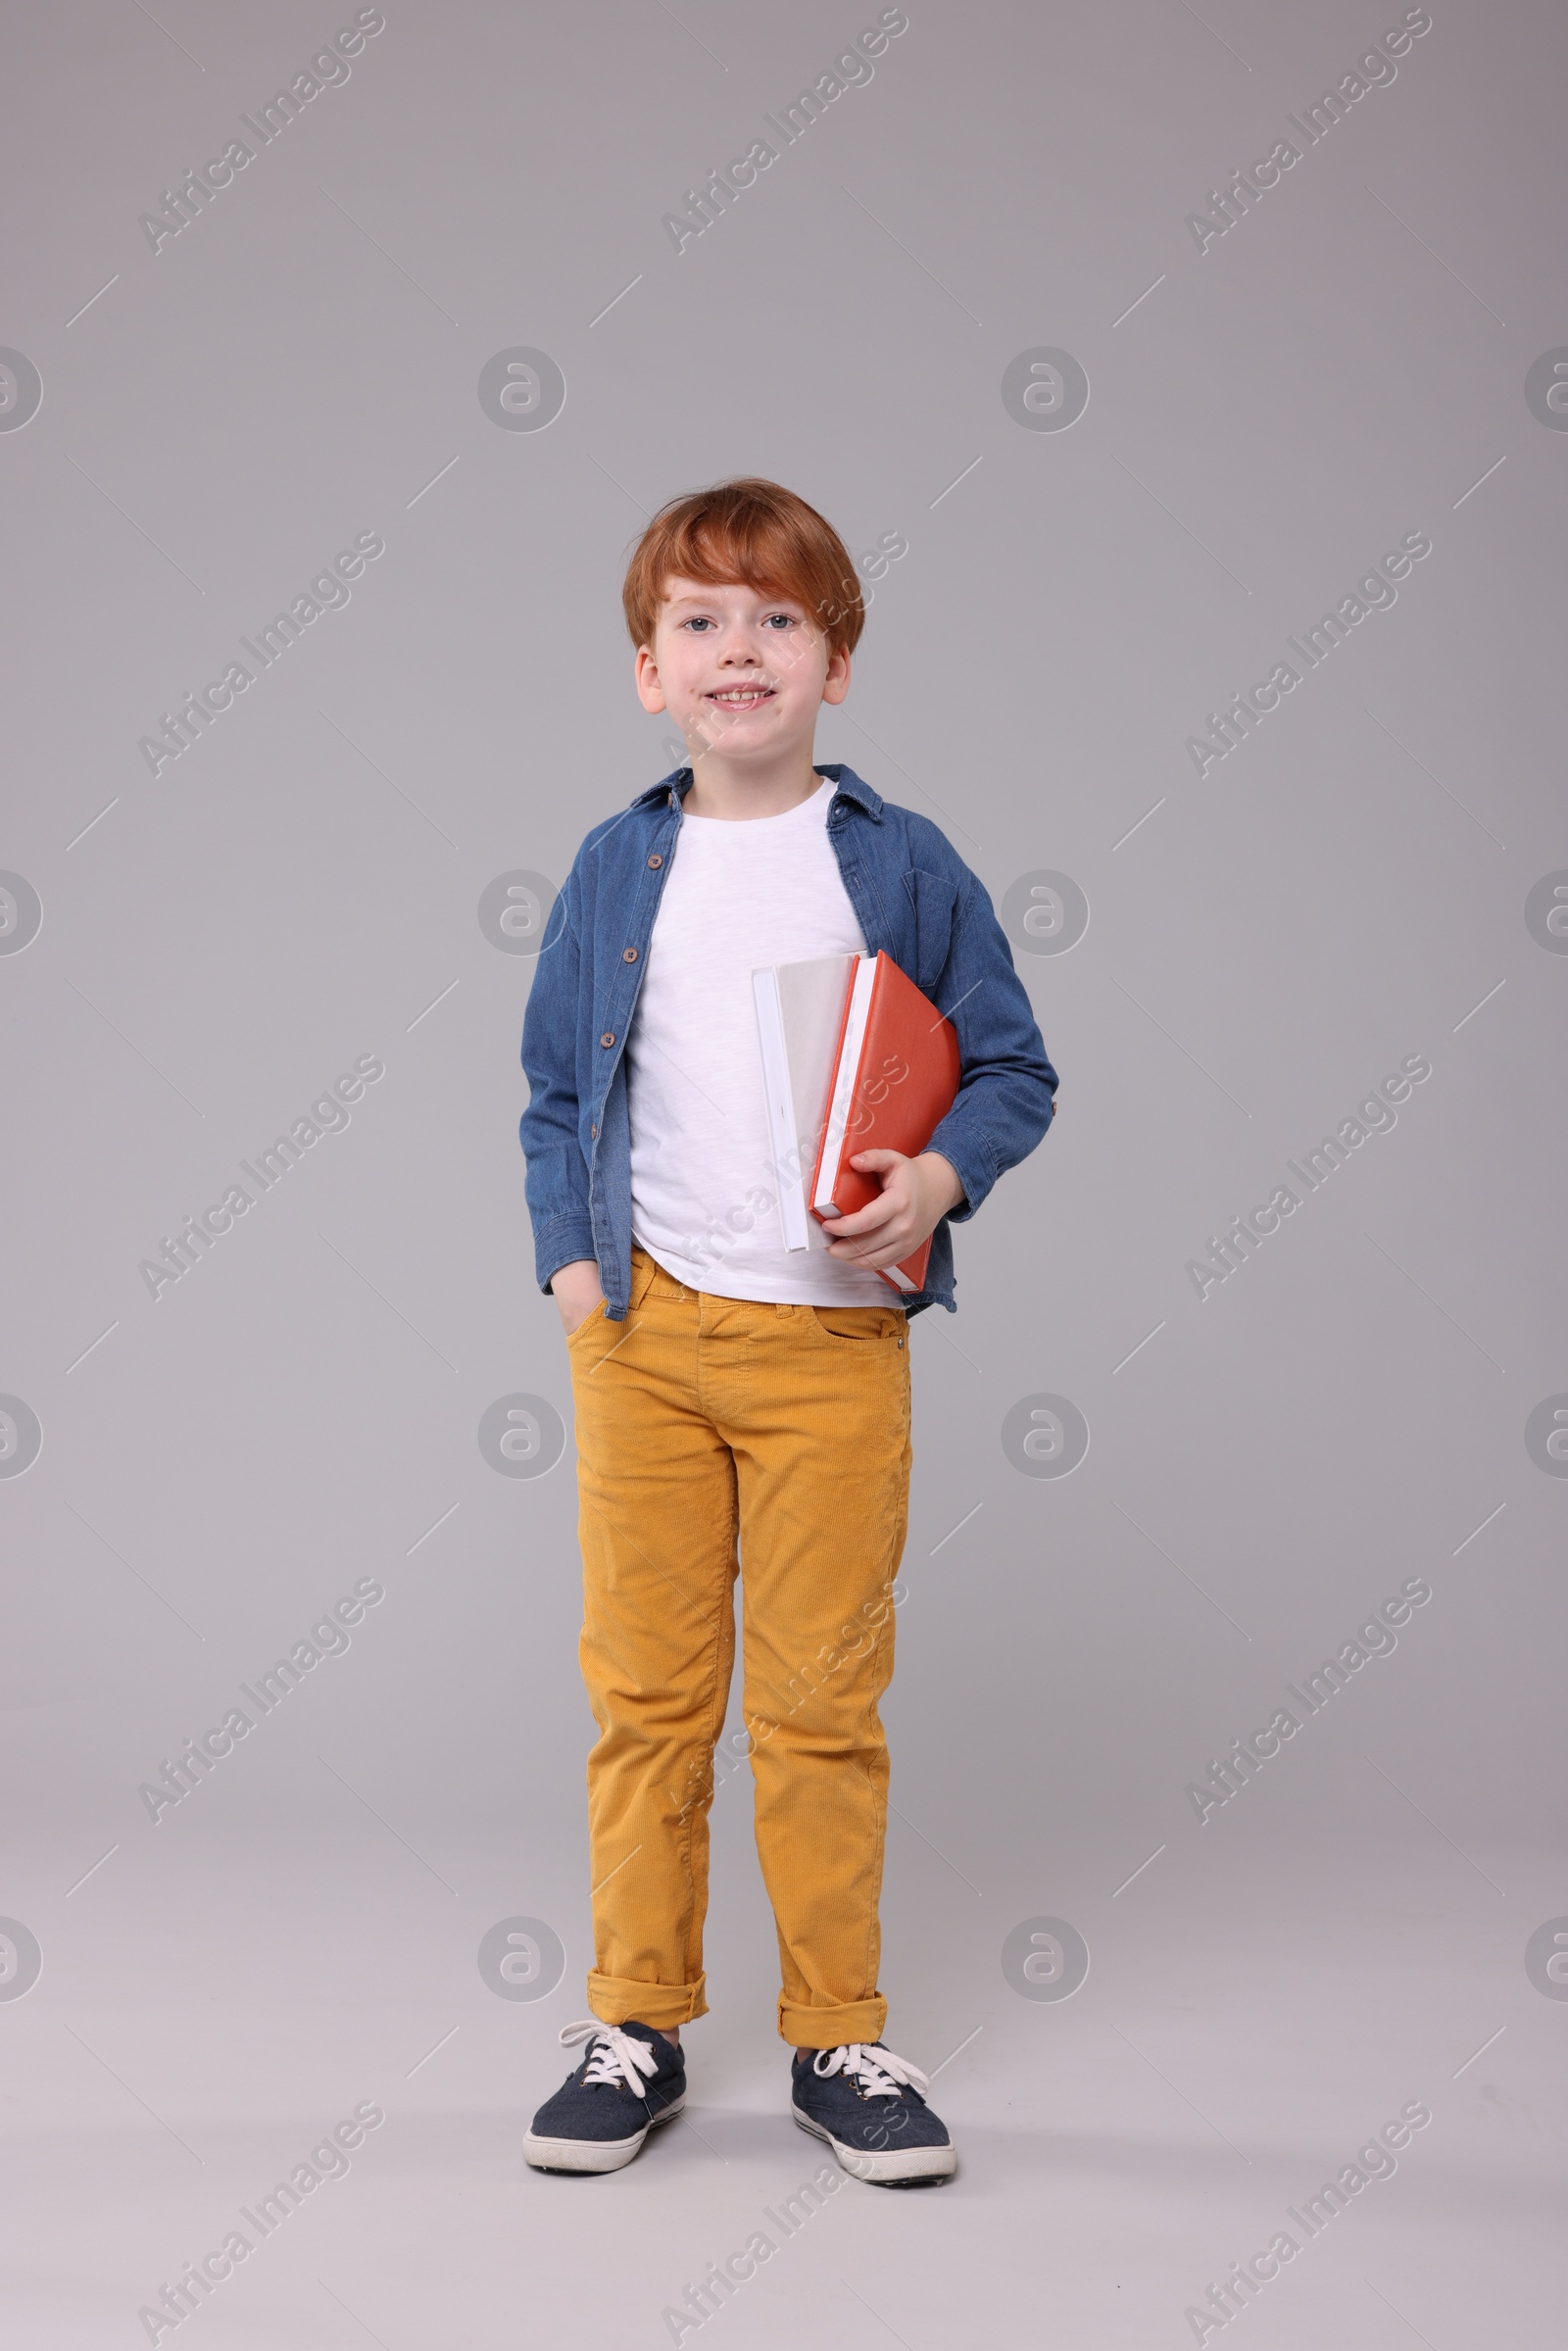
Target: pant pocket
594,1314
856,1326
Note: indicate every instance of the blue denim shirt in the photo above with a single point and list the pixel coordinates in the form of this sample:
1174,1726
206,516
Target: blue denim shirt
913,895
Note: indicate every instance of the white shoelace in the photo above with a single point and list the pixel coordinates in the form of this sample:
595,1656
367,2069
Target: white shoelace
616,2057
876,2071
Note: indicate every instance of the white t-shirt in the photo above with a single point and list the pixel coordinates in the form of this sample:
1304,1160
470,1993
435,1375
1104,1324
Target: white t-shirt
704,1191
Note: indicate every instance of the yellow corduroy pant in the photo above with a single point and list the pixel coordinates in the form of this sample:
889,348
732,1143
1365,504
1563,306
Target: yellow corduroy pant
716,1435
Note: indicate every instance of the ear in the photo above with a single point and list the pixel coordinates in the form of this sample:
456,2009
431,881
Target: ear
650,691
836,684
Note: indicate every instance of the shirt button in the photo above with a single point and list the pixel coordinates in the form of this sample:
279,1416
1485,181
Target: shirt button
656,859
594,1136
609,1037
628,955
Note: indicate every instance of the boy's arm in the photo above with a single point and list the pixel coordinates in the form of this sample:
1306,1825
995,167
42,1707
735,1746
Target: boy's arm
556,1179
1005,1093
1001,1110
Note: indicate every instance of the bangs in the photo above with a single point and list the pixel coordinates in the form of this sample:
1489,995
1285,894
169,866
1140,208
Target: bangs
754,532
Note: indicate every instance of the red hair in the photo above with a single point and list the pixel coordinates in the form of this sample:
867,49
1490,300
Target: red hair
756,532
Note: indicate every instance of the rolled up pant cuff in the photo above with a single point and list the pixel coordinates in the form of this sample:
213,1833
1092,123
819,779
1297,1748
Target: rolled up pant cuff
617,1999
830,2028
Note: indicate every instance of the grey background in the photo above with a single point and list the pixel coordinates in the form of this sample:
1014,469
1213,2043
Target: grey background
301,888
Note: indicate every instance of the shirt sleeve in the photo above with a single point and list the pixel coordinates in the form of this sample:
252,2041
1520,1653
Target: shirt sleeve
556,1183
1006,1086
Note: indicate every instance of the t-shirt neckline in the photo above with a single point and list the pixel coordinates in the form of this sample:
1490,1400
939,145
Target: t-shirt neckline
781,816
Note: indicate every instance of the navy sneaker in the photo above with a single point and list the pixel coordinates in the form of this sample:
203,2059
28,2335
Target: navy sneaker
630,2078
866,2103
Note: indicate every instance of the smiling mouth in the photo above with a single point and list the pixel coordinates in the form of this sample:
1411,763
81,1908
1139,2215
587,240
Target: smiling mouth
740,698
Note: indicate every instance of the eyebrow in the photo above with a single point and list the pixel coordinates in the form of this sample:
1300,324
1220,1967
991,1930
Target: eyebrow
678,603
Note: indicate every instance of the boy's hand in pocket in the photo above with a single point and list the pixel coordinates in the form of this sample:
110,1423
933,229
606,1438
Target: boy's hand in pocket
576,1290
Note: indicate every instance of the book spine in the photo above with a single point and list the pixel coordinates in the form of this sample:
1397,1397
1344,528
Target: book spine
828,1124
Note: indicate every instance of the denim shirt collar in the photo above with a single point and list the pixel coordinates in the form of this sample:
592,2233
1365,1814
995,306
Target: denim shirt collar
845,780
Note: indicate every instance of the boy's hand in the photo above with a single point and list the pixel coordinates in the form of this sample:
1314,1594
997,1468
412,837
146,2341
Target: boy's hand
576,1290
916,1196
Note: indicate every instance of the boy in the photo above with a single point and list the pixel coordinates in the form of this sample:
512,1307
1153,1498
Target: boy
732,1395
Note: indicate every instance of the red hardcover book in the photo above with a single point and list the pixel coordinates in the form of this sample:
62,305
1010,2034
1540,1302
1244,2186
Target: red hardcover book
895,1077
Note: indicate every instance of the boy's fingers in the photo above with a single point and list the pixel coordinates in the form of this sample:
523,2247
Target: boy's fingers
863,1220
877,1212
861,1243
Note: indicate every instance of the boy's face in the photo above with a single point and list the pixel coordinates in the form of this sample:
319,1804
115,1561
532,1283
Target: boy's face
742,673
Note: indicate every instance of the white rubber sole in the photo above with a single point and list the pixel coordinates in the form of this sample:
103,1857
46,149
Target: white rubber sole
892,2170
592,2154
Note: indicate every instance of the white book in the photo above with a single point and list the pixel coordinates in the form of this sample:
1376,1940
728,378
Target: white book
848,1070
799,1008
